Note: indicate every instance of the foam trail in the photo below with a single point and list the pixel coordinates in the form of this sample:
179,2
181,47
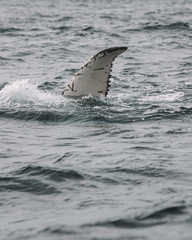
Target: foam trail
23,92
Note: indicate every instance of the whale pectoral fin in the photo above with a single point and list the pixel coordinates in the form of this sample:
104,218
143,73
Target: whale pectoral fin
93,77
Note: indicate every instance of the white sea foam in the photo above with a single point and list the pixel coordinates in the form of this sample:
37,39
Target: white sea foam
24,92
167,97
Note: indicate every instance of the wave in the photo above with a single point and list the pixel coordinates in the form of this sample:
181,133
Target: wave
178,26
26,100
164,215
37,179
164,212
10,30
146,171
32,186
172,26
54,174
59,230
36,115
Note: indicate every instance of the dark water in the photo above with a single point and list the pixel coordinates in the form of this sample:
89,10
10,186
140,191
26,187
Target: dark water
115,168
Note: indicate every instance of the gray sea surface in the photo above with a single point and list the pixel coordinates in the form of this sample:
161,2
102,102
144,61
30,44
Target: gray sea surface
114,168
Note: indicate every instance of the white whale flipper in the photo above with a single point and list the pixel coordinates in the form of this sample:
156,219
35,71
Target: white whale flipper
93,77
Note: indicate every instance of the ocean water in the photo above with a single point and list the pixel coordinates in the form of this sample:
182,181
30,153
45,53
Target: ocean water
114,168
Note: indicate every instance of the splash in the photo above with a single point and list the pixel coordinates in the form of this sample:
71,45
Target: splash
25,93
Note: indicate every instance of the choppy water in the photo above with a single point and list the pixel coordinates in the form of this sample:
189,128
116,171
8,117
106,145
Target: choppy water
114,168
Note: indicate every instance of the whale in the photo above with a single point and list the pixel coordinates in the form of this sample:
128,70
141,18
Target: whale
93,78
